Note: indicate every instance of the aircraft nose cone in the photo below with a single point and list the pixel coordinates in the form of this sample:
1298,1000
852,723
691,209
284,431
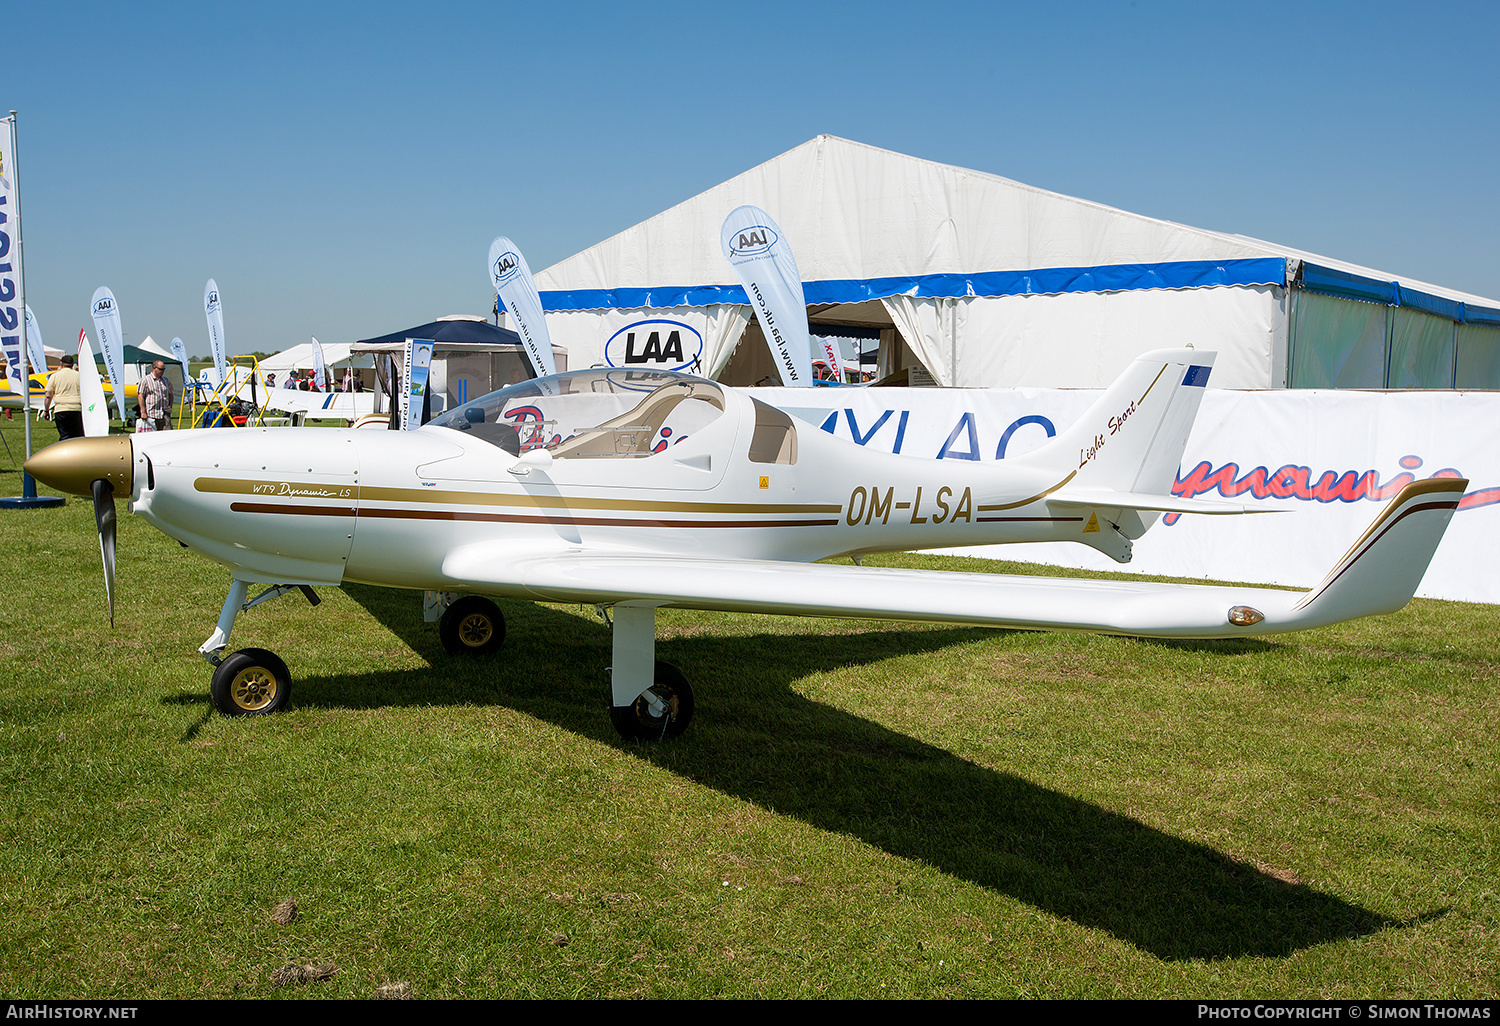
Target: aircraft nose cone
73,466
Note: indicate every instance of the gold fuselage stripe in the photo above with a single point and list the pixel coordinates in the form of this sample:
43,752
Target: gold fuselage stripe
433,496
386,513
1034,498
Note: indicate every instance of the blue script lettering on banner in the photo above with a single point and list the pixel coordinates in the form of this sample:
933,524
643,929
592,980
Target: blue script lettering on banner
1020,422
947,452
658,344
863,438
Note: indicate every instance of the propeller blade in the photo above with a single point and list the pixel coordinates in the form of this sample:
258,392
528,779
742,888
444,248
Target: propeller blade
104,514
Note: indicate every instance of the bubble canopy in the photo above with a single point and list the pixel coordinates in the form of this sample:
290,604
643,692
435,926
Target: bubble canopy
597,413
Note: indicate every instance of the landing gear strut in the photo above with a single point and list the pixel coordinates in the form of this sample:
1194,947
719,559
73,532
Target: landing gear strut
650,700
252,681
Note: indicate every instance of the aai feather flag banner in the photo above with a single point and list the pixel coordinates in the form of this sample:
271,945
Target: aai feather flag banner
111,342
763,262
215,314
179,353
320,369
512,280
34,348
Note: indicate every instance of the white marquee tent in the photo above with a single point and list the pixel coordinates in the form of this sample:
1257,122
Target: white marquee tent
985,281
300,357
981,281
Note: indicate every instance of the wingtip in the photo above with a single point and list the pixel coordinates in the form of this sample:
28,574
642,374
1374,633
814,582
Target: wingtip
1384,567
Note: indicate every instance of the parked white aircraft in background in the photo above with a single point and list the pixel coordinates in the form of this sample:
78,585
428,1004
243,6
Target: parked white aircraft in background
638,490
350,406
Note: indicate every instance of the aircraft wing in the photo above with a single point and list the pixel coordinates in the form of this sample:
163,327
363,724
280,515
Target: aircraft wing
11,399
346,405
1378,574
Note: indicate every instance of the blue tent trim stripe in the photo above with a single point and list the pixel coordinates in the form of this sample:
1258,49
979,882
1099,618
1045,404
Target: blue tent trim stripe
1046,281
1330,281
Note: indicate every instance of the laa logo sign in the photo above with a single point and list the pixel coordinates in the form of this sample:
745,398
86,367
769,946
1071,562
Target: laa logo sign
213,300
655,344
752,241
505,266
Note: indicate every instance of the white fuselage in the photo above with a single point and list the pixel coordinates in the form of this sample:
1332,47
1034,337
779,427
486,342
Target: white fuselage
325,505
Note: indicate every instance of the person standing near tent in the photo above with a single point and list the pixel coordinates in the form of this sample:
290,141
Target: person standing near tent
63,401
156,397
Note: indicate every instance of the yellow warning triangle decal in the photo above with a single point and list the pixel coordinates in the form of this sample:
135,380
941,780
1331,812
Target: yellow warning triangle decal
1093,524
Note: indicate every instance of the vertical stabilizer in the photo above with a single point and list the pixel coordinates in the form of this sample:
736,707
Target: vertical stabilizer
1131,439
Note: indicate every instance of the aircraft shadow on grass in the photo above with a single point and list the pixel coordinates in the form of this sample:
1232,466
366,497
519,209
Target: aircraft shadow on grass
760,740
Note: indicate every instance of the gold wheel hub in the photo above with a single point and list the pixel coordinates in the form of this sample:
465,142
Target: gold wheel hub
254,688
475,630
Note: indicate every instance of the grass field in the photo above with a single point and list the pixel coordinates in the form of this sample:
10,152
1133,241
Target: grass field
860,809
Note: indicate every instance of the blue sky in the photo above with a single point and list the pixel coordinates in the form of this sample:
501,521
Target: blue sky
340,169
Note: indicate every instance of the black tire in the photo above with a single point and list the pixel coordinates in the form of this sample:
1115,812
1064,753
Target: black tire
635,721
252,682
472,626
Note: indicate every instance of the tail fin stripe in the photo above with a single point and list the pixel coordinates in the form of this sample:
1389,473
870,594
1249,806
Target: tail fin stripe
1153,384
1377,531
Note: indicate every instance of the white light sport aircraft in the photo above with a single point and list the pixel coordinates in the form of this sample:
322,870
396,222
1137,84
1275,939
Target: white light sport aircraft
642,489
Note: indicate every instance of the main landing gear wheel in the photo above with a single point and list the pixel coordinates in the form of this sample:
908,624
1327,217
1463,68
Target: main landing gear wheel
663,710
252,682
472,626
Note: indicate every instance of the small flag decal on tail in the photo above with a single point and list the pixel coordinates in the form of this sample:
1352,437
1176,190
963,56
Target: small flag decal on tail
1196,377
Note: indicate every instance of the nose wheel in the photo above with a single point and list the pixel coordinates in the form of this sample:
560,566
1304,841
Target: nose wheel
252,682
